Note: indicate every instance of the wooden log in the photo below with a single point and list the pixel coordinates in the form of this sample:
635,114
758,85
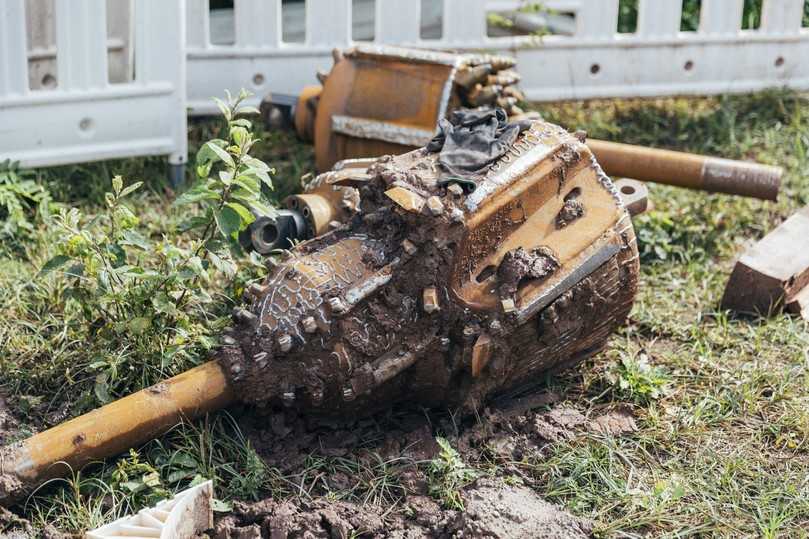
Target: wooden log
774,273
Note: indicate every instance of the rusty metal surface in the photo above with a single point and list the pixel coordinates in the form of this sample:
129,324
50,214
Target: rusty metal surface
634,195
410,319
688,170
384,131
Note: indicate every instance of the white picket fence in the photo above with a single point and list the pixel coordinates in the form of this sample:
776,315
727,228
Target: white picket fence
85,117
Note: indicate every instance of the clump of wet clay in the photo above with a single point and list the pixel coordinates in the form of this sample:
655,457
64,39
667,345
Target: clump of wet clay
520,264
573,209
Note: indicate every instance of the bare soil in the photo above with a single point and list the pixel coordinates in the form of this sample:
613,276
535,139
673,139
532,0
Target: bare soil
501,505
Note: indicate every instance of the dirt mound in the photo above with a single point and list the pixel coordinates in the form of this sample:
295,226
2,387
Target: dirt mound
493,509
493,506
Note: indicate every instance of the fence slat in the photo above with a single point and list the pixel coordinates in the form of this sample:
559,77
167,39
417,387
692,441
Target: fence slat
258,23
81,43
160,37
464,21
13,56
397,21
659,18
198,23
598,19
328,22
782,16
721,16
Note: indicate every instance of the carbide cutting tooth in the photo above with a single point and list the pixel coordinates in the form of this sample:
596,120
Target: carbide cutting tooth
256,289
288,396
285,343
508,305
309,324
261,356
409,247
348,394
337,305
243,315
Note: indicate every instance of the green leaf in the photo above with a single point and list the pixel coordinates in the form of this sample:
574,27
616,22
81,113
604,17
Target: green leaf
102,389
227,221
131,189
222,154
223,264
226,177
117,184
196,194
239,135
242,122
223,108
54,263
139,325
249,183
244,214
135,239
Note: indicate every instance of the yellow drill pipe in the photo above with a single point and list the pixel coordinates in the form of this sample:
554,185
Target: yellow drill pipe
111,429
692,171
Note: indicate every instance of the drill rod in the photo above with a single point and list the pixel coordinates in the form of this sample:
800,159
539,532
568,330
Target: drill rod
111,429
692,171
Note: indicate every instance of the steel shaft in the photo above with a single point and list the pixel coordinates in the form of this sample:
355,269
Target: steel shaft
111,429
692,171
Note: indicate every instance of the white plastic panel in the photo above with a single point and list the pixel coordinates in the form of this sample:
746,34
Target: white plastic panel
783,16
85,118
198,23
721,16
659,18
13,56
258,23
81,44
187,514
398,22
328,22
464,21
598,20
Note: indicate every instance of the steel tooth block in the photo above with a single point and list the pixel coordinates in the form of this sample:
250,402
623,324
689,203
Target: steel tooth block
430,300
435,205
409,247
256,289
245,316
337,305
285,343
309,324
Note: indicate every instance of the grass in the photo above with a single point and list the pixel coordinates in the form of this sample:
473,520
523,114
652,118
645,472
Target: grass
722,403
